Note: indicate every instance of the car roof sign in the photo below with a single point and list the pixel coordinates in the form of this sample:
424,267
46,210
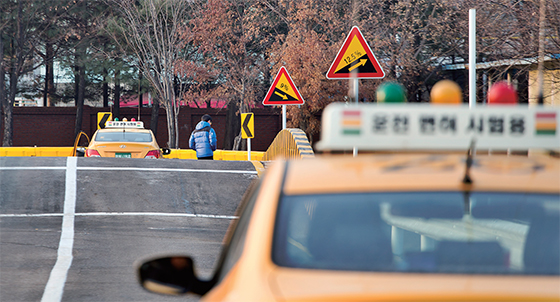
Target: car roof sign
122,124
438,127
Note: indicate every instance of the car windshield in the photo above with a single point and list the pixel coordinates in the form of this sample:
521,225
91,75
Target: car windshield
138,137
432,232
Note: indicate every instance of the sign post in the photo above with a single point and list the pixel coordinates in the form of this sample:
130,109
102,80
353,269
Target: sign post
355,61
248,130
283,92
283,117
472,57
356,95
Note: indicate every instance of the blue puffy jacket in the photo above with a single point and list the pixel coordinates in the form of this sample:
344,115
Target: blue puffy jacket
203,140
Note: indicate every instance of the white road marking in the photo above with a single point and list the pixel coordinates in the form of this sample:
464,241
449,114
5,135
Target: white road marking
165,170
134,169
31,215
123,214
157,214
55,286
32,168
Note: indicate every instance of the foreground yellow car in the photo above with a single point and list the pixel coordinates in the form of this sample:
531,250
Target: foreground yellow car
125,140
388,227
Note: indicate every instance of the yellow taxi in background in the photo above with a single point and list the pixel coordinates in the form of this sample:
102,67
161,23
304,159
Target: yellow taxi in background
124,139
415,226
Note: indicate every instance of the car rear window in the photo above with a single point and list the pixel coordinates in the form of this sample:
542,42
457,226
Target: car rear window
138,137
431,232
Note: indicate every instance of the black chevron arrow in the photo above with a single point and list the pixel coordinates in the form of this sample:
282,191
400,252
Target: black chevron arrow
246,125
103,121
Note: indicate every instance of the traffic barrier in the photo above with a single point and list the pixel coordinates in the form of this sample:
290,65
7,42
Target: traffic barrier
55,151
218,154
36,151
181,154
290,143
237,155
175,153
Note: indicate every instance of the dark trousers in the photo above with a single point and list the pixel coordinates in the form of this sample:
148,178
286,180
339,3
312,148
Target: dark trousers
211,157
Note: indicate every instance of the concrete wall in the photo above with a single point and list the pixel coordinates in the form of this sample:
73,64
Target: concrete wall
54,126
551,86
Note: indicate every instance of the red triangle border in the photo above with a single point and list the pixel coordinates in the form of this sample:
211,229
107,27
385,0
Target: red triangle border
284,71
355,32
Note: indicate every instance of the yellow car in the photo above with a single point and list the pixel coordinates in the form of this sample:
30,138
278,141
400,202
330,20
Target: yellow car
423,226
125,140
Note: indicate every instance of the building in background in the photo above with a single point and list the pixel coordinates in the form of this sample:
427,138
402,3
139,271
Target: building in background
521,73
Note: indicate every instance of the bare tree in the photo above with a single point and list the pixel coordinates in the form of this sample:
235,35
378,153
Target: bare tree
314,34
233,44
154,31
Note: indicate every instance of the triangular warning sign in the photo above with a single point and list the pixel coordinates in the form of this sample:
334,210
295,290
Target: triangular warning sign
283,91
355,60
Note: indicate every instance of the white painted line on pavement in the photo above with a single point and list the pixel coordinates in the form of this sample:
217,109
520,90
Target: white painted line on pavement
165,170
32,168
156,214
124,214
134,169
55,286
32,215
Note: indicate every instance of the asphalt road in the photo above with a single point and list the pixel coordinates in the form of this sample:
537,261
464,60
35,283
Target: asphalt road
74,229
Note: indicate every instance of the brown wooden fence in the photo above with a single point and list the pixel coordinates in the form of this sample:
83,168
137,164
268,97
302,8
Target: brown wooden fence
54,126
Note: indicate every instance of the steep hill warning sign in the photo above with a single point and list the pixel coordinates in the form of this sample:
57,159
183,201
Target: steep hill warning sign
283,91
355,60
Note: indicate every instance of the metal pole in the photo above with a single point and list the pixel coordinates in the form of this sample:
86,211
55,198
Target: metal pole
356,95
249,148
472,57
139,99
356,89
283,117
540,68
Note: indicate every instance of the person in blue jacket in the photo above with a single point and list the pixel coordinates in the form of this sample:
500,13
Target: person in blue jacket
203,138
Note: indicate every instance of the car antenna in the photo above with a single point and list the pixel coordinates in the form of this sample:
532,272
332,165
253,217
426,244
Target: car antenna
467,180
470,155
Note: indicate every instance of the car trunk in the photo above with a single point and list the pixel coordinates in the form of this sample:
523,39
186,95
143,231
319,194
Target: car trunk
123,150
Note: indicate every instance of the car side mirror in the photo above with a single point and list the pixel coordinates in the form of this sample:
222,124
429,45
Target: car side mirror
165,151
171,276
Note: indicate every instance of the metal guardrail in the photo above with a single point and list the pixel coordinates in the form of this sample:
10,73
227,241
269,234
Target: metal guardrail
291,143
